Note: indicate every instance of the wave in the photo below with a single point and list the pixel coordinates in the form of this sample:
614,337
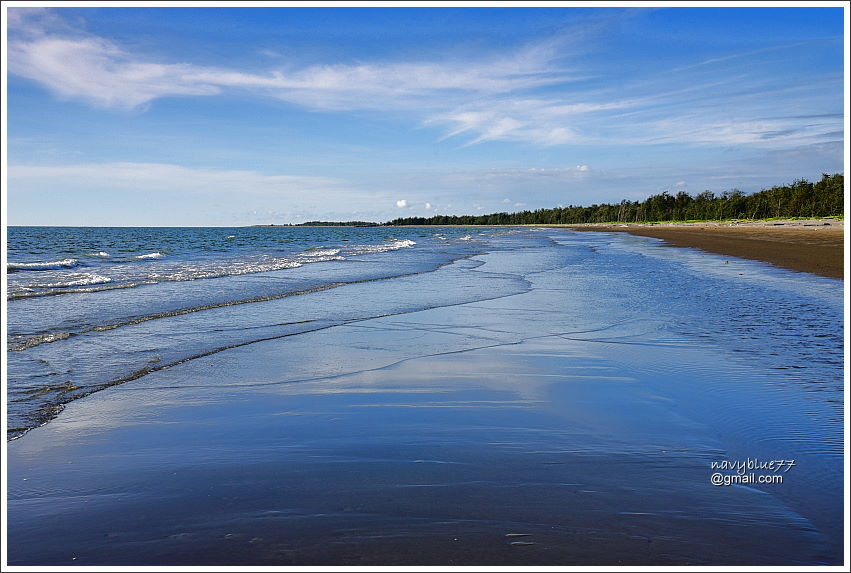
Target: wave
321,251
29,342
392,245
47,266
84,279
156,255
28,292
97,283
189,272
24,342
60,395
100,255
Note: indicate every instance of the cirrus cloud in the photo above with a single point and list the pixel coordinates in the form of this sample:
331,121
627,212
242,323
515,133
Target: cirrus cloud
532,94
96,70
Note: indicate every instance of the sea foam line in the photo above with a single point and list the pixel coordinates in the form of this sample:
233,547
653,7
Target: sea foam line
46,266
98,283
76,280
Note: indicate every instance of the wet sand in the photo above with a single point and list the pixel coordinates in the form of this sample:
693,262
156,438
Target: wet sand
813,246
525,455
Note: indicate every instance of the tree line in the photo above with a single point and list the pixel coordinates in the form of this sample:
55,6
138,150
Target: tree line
324,224
801,198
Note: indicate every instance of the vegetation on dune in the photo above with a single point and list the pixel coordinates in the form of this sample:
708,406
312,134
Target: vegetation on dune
332,224
801,199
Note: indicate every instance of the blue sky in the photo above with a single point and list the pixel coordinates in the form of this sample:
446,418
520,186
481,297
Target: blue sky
237,116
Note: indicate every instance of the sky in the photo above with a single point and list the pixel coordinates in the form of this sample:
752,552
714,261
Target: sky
228,116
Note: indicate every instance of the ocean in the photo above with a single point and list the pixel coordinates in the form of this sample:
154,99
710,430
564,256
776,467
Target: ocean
126,301
416,395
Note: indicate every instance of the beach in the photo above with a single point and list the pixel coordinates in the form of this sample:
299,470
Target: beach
504,396
292,285
811,246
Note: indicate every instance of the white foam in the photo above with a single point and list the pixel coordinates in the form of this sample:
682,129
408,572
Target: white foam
64,263
124,274
393,245
190,273
150,256
78,280
260,267
100,254
321,252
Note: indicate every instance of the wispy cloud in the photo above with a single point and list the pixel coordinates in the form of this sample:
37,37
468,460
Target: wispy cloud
742,111
101,72
190,195
531,95
507,177
735,110
541,121
747,54
164,176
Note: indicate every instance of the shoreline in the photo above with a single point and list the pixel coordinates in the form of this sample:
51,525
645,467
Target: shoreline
811,246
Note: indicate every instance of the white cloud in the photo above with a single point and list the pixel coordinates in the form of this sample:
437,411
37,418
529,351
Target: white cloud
167,194
507,176
493,97
715,127
544,122
428,206
100,73
735,110
402,203
743,55
502,128
103,73
164,176
159,193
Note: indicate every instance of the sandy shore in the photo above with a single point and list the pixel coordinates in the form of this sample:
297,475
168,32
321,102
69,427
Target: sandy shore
812,246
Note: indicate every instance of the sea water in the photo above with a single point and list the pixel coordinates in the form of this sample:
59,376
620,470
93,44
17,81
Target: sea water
417,396
90,308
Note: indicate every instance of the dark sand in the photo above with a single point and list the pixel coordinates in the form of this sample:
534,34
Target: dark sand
809,246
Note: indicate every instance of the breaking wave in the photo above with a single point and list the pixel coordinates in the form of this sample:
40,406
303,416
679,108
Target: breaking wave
39,266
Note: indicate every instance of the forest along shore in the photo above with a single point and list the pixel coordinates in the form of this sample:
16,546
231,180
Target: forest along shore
812,246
